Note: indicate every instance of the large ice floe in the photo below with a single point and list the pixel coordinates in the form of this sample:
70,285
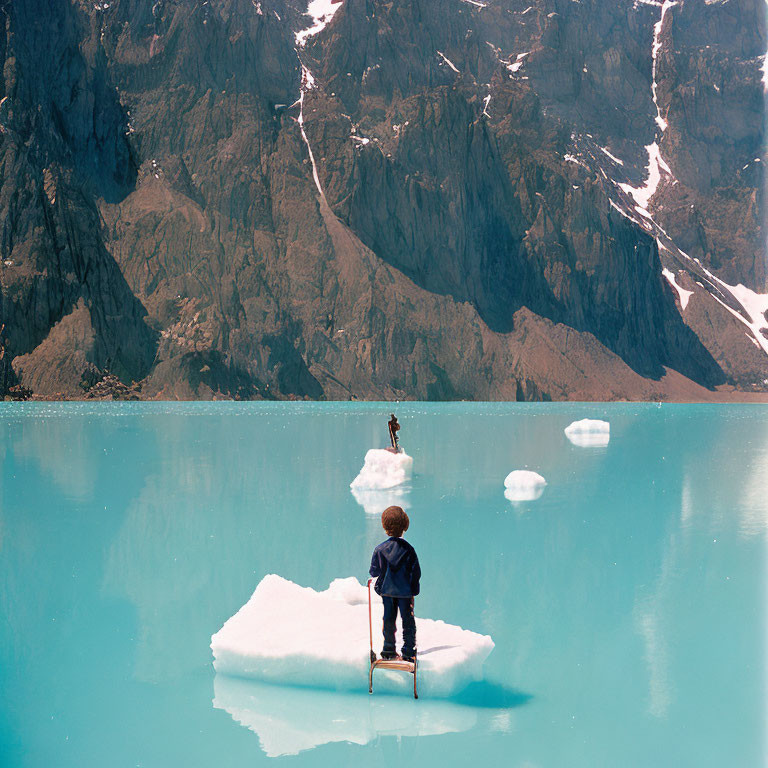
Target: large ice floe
292,635
290,720
589,433
523,485
383,469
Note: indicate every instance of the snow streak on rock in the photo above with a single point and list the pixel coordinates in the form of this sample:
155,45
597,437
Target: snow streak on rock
755,306
660,121
307,82
321,11
684,295
613,157
764,70
656,164
518,62
448,61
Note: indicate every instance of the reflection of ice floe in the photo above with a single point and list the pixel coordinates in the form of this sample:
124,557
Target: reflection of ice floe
589,433
291,720
383,469
374,502
753,506
296,636
523,485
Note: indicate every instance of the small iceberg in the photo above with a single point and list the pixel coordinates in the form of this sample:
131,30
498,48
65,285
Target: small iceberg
383,469
589,433
292,720
292,635
523,485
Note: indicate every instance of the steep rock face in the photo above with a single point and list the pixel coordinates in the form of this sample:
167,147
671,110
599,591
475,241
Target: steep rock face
62,143
709,86
395,208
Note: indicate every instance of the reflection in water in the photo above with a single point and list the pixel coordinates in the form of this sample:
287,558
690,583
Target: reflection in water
686,501
374,502
524,494
69,456
590,439
292,720
754,504
649,621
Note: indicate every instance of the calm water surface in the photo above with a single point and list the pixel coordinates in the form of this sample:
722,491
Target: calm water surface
627,604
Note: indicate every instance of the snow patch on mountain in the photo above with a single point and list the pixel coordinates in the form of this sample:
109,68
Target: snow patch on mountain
321,11
666,5
613,157
447,61
684,295
518,62
308,82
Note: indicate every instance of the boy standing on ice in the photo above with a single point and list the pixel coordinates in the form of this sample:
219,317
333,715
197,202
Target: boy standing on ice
396,568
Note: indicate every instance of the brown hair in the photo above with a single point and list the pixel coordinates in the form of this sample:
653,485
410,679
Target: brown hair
394,521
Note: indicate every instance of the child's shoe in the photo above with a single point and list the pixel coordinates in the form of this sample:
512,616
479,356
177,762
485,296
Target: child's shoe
389,656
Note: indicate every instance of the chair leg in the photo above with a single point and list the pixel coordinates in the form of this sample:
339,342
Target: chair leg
370,680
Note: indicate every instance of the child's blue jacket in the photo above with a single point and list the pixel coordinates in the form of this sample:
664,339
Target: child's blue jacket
396,569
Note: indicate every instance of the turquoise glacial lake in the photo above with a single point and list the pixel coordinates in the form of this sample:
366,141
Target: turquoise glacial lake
627,603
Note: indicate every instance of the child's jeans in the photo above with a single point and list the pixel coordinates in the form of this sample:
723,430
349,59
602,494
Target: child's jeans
391,607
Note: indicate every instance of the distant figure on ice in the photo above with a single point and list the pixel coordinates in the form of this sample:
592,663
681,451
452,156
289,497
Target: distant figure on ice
396,569
394,428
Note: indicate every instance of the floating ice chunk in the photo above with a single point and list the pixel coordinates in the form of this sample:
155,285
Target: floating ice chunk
523,485
374,502
589,433
294,635
383,469
292,720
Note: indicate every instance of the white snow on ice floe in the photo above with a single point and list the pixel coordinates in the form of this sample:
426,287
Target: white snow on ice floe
375,501
383,469
293,635
523,485
292,720
589,433
321,11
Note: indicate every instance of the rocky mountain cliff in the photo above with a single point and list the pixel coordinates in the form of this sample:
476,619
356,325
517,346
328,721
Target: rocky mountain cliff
439,199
